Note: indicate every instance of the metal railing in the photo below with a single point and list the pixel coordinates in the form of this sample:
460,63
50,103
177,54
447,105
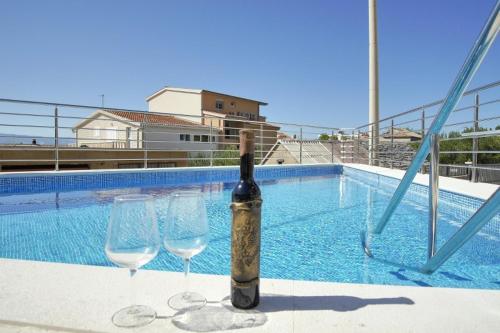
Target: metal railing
430,144
52,135
401,136
63,144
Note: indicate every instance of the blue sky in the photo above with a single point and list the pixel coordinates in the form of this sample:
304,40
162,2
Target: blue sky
307,59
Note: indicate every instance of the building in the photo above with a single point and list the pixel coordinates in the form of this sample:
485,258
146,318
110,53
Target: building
223,113
125,129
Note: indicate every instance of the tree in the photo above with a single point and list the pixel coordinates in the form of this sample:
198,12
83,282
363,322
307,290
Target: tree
491,143
324,137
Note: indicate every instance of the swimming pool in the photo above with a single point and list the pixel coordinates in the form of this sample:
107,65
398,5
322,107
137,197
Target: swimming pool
312,218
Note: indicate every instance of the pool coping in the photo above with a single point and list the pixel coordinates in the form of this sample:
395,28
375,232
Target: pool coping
152,170
55,297
458,186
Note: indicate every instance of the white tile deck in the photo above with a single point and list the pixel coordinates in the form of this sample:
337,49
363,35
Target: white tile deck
51,297
478,190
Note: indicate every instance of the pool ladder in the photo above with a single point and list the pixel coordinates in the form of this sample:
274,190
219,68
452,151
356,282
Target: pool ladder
430,144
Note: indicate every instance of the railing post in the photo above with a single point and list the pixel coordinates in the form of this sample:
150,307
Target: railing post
331,140
56,138
392,143
342,150
144,142
211,145
475,141
261,141
422,124
433,195
359,138
422,134
371,142
300,147
352,146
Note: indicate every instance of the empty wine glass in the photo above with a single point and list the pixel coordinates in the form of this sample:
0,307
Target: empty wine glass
132,241
186,234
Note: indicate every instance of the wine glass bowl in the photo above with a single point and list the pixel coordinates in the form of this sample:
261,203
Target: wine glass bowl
186,235
133,240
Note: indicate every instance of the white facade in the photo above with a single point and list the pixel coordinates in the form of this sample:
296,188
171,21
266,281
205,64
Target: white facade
179,138
106,130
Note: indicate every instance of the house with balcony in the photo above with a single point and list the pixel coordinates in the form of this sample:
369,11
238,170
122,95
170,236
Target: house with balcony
168,140
126,129
222,113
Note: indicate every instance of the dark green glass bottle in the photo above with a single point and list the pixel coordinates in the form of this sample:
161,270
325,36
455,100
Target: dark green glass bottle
245,230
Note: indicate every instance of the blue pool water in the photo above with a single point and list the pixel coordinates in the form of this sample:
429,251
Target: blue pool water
310,231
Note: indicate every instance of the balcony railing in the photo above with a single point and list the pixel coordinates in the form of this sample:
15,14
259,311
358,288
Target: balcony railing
469,143
46,135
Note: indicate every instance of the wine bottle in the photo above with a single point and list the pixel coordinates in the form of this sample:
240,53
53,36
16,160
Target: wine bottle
245,230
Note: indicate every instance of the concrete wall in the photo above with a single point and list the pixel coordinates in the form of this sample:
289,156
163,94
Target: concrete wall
177,102
42,159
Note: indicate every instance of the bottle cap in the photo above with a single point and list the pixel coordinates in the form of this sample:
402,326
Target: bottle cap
247,142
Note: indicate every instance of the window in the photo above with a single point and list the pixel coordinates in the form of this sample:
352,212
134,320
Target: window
204,138
197,138
231,134
182,137
213,139
188,137
219,105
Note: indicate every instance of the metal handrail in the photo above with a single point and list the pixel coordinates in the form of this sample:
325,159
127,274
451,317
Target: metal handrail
482,216
435,103
483,43
91,107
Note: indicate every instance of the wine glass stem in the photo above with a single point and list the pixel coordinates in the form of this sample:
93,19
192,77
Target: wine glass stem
132,287
187,261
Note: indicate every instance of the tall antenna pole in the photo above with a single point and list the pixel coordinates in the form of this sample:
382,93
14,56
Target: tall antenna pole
373,115
102,101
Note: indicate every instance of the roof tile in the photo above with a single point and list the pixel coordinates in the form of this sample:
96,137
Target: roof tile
145,117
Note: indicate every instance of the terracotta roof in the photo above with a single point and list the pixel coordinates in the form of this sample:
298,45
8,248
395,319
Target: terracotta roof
145,117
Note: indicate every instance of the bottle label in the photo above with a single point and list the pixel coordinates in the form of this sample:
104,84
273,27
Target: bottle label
245,238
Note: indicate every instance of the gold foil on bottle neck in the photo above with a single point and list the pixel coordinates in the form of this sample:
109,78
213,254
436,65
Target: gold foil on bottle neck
247,142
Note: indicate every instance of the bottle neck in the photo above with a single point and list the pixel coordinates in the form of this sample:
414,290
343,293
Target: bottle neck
246,167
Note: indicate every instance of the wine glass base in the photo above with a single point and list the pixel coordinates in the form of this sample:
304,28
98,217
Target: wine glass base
134,316
187,301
